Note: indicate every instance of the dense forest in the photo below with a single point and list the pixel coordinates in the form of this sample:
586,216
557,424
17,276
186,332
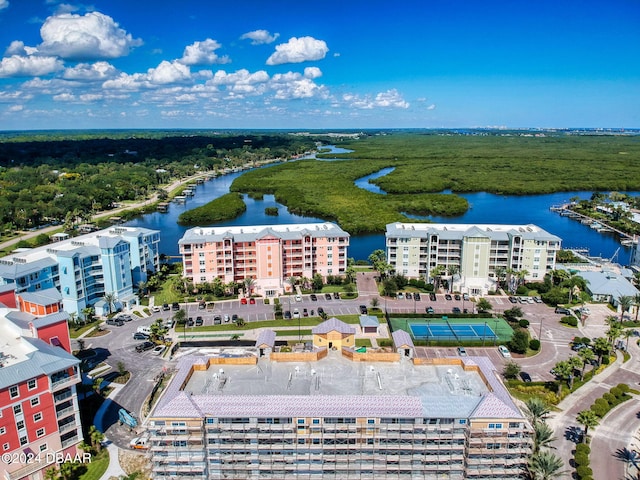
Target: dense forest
53,177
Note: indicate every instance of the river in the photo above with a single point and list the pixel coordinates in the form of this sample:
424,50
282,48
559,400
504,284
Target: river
484,208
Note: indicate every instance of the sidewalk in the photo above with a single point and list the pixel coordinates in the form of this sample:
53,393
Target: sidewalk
114,469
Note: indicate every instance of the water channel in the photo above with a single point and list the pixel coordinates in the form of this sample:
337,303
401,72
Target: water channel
485,208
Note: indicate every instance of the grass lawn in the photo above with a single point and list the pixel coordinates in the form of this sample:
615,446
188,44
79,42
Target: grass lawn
97,467
363,342
76,332
304,321
293,333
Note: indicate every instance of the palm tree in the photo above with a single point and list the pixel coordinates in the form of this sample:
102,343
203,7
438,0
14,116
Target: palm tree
537,409
587,355
501,274
521,275
636,301
87,314
292,282
436,273
545,466
587,418
73,318
601,347
483,305
614,331
249,284
97,437
542,436
576,364
625,302
563,370
628,333
110,299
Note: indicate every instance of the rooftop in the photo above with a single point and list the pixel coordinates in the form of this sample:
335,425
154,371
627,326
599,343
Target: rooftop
459,230
336,386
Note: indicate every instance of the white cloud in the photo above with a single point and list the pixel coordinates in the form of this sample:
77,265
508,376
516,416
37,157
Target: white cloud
16,108
126,82
243,77
202,53
391,98
64,97
17,47
312,72
4,4
293,85
91,97
12,97
169,72
32,66
93,35
260,37
431,107
298,50
99,71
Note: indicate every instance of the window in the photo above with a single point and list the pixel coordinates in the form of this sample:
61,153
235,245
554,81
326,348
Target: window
32,384
43,447
3,430
40,432
37,417
23,440
495,425
17,409
13,391
20,424
35,401
5,446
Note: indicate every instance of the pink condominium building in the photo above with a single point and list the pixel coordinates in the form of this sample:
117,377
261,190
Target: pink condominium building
269,254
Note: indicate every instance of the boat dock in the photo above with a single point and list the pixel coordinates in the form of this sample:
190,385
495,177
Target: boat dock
597,224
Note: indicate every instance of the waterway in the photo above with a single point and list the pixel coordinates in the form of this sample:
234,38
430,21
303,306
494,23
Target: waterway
484,208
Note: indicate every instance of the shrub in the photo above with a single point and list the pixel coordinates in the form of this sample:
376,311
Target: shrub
534,344
624,387
519,341
523,323
584,471
606,360
599,410
583,448
571,321
616,392
610,398
581,459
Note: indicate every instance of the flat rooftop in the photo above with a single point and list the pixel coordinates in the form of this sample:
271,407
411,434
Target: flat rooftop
336,386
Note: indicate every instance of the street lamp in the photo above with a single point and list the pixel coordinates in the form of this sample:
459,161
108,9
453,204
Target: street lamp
495,333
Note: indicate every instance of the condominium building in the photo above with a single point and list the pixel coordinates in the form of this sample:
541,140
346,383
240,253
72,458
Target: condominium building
320,413
85,268
270,255
39,413
473,255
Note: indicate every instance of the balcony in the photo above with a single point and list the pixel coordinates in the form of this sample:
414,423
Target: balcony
65,382
29,469
70,441
65,411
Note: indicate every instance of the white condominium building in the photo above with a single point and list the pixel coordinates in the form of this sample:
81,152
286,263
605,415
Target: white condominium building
472,254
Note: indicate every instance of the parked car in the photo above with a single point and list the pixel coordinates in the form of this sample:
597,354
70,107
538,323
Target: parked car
455,310
155,309
243,301
234,318
408,296
313,297
457,297
305,312
144,346
296,313
416,296
287,315
320,311
165,307
432,297
465,297
115,321
430,310
175,306
537,299
252,301
400,296
563,311
525,377
336,295
448,296
363,310
199,321
217,320
140,336
190,322
158,350
327,296
513,299
504,351
202,305
298,298
226,318
462,351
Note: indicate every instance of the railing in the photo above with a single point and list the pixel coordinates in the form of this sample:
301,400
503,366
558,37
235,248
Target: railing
66,381
70,441
29,469
67,426
65,411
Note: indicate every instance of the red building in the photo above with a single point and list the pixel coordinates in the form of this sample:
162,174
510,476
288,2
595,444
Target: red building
39,414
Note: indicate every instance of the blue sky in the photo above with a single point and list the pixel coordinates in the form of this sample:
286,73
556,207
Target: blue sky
334,64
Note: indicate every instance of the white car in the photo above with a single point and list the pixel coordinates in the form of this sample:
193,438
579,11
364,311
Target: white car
504,351
296,313
298,298
155,309
158,350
